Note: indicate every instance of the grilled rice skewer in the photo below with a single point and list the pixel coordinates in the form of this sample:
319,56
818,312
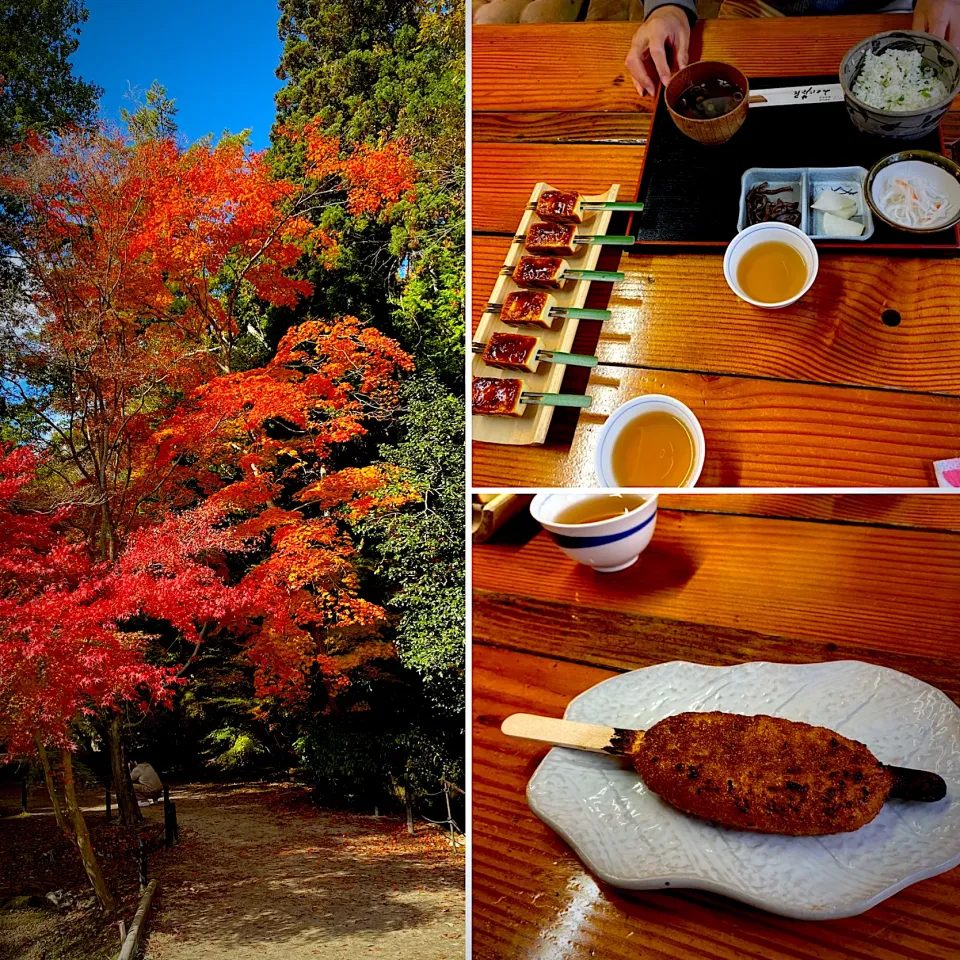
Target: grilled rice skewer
758,773
552,272
569,206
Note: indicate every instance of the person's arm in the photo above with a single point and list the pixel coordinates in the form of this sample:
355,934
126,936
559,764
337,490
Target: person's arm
663,36
689,5
939,17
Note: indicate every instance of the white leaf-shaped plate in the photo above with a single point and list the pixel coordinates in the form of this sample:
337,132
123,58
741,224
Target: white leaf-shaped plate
629,838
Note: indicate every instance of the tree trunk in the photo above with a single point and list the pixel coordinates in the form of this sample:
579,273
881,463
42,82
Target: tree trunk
52,788
408,800
127,806
82,836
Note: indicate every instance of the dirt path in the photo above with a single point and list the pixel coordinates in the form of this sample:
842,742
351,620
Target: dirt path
263,875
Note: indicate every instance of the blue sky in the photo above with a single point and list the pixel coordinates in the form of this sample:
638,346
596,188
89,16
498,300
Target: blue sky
218,60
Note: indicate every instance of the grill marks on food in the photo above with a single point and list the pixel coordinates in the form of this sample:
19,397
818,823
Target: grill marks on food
762,773
624,742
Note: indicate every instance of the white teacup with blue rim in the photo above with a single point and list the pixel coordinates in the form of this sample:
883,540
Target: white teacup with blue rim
607,545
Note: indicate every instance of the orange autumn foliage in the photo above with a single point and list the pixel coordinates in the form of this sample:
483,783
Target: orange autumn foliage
375,178
157,234
140,257
279,427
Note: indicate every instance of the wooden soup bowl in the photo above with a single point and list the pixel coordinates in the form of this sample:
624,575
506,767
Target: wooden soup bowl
718,129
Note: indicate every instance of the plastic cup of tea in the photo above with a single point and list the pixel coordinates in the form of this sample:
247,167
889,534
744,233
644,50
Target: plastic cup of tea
629,411
606,545
766,233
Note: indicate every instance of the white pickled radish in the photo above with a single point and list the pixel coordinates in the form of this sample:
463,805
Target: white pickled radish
835,226
831,201
914,201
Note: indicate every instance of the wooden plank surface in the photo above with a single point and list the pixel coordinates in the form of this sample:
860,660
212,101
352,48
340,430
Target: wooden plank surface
757,432
796,582
532,898
932,512
561,127
522,68
722,587
598,127
677,312
505,173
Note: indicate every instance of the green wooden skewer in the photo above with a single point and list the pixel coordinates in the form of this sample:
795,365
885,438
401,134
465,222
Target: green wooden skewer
614,205
611,275
571,359
578,313
594,239
553,356
575,313
556,400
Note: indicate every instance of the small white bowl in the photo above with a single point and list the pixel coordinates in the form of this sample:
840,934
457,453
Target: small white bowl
942,171
650,403
763,233
607,545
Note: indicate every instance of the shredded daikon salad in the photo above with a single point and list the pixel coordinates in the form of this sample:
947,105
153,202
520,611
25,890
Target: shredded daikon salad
913,202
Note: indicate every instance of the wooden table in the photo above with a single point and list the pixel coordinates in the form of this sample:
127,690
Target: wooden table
820,394
727,579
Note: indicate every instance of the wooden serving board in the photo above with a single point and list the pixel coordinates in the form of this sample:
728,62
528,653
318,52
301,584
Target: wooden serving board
532,427
491,512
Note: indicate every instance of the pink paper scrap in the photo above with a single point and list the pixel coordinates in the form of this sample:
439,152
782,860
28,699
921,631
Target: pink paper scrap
948,473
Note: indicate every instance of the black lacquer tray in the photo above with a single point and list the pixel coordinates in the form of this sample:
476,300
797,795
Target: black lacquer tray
691,192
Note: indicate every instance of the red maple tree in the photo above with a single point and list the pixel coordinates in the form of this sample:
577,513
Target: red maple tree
280,427
160,461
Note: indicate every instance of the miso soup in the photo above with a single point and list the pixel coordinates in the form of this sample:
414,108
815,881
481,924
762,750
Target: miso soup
708,100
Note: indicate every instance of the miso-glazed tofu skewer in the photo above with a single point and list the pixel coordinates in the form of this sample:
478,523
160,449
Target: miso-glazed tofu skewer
568,206
506,397
536,308
553,272
756,773
564,240
514,351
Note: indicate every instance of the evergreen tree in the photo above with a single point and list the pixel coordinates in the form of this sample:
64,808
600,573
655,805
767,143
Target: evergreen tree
38,90
154,117
375,71
420,552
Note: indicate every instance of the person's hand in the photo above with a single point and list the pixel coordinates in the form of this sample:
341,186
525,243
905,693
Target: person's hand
939,17
666,29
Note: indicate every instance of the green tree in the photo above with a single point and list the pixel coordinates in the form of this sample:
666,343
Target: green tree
419,550
38,90
154,117
373,71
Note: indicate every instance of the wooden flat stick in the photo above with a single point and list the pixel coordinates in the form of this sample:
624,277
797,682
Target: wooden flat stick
568,733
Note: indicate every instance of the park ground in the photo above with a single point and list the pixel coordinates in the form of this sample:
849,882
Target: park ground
260,873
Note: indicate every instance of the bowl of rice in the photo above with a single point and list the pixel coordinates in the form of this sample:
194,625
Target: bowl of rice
900,83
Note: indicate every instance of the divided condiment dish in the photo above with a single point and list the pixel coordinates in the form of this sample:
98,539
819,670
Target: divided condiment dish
807,183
